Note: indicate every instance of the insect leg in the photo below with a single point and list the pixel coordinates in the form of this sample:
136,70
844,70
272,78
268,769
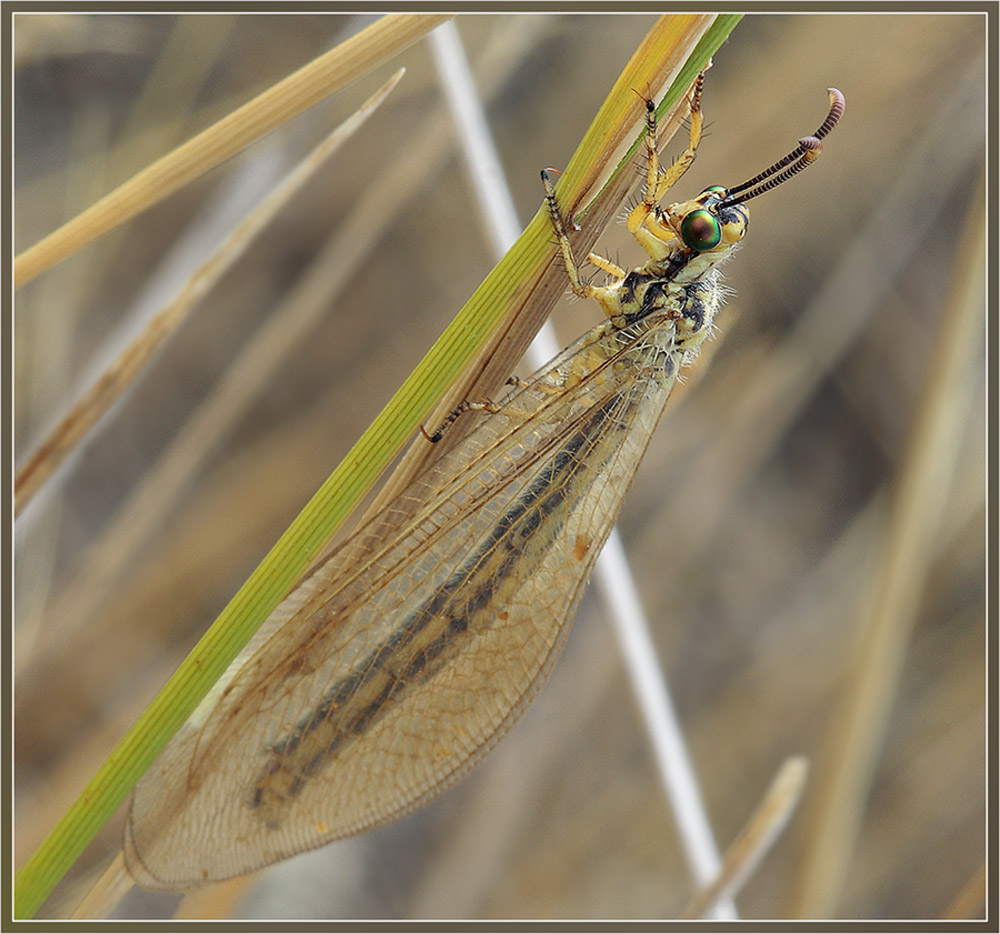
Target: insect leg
612,269
658,181
607,298
517,382
455,414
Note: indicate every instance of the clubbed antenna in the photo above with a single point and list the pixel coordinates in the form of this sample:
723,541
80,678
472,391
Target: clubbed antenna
799,158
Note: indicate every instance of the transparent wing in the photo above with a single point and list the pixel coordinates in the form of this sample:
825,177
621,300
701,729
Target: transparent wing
390,671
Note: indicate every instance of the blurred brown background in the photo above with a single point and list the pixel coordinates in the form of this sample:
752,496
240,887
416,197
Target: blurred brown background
757,523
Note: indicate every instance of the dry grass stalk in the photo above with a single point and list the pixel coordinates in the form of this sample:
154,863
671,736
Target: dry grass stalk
280,103
116,379
755,839
916,514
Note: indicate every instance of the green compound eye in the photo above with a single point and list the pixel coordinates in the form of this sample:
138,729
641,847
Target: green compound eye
700,230
718,189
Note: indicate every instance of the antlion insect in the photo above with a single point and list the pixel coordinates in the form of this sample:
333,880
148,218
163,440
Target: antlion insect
388,672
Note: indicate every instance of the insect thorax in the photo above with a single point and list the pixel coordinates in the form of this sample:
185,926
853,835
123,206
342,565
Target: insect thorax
687,287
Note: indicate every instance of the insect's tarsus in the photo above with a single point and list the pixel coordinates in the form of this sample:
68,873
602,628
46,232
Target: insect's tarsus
455,414
579,287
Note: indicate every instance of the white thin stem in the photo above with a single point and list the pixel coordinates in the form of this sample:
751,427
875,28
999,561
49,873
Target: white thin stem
614,577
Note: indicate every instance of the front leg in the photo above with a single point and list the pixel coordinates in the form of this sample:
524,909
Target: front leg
606,296
641,221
